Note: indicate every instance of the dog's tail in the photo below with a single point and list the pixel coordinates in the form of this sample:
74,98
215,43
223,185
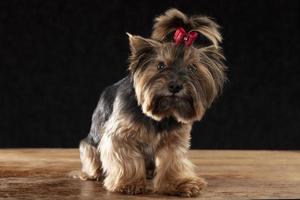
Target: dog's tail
166,24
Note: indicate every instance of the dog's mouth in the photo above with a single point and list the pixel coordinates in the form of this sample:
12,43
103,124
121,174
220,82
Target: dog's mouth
173,105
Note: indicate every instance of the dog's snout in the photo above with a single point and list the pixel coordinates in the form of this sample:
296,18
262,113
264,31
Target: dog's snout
175,87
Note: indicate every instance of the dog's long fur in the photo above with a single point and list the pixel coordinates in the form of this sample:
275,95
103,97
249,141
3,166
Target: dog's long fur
139,130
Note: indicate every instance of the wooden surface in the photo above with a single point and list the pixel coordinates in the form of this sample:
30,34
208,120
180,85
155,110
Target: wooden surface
42,174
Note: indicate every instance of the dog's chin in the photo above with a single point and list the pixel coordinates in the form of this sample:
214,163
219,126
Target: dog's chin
180,108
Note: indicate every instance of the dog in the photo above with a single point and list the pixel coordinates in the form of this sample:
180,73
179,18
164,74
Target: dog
141,126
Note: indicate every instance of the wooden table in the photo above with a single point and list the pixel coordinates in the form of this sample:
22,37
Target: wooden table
42,174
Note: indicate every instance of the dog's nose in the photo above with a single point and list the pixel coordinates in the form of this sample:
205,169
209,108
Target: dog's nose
174,87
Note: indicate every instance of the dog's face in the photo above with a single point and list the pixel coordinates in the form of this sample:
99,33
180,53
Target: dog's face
175,76
174,80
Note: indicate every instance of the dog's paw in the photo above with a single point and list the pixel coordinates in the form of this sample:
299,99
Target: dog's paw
83,176
190,187
132,189
184,187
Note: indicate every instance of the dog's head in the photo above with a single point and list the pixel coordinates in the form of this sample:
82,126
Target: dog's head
176,78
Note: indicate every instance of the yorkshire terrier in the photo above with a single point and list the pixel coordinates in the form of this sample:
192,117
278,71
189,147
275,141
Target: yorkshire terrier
141,126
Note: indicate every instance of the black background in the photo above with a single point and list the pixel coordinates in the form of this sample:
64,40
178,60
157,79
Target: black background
57,56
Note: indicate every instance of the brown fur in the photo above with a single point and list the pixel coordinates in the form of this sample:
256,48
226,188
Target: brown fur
173,18
128,146
208,78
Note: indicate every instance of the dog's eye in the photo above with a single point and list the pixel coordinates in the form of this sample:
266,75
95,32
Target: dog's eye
161,66
192,68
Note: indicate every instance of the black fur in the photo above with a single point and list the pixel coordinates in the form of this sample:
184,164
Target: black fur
124,91
102,113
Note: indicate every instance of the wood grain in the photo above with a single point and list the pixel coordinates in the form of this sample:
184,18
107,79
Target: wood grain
42,174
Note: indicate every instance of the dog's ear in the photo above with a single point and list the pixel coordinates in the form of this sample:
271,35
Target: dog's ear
166,24
138,43
142,50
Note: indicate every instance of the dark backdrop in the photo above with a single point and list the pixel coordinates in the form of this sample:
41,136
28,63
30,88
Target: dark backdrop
57,56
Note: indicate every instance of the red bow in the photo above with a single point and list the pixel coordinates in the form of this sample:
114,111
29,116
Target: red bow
181,36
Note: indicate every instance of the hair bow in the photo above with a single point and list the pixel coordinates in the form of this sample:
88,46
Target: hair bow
181,36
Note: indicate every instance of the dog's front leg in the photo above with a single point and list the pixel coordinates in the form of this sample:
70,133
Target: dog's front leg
175,174
123,165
